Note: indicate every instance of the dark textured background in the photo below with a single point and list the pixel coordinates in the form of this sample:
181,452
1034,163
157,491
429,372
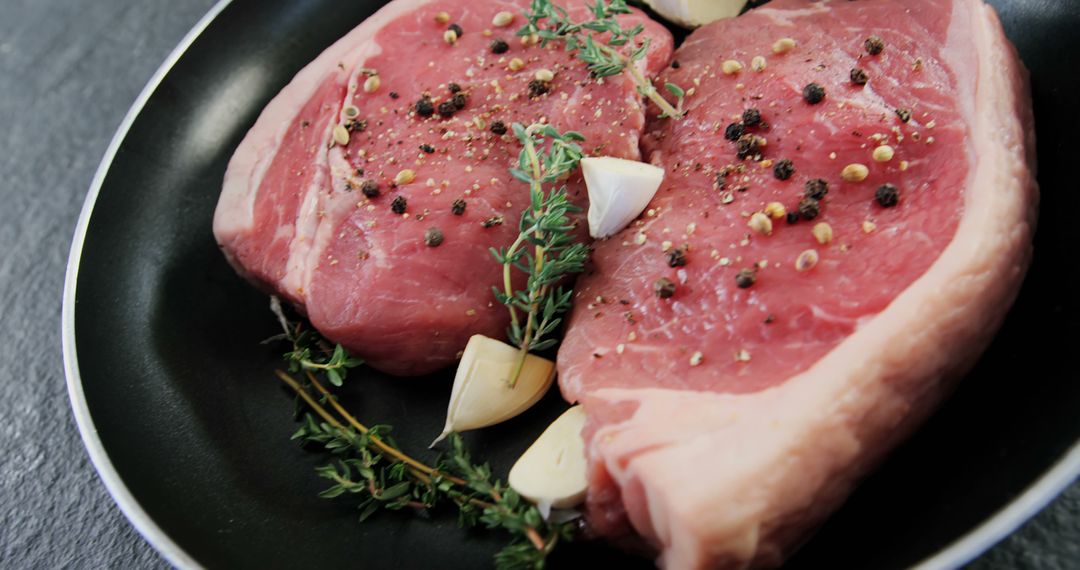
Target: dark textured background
68,72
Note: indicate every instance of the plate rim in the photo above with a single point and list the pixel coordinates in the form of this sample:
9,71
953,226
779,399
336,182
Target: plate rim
958,553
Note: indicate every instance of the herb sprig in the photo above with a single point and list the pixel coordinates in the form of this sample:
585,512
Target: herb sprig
311,352
370,466
545,225
620,52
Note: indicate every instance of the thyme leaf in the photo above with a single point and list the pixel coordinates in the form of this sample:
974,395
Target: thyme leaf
550,22
546,226
368,466
311,352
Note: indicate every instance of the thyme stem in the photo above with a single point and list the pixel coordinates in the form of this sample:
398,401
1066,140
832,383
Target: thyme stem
534,296
618,54
547,226
501,511
376,440
646,87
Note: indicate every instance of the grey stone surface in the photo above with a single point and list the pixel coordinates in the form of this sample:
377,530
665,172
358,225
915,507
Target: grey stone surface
68,72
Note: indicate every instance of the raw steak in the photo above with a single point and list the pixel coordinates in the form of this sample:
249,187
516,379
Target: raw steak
725,422
294,216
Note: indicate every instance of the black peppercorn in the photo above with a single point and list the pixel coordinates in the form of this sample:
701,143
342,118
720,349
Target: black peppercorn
809,208
792,217
454,88
459,101
538,87
433,237
747,146
664,288
904,114
424,107
751,117
427,148
394,95
398,205
816,189
458,207
492,221
370,188
456,29
874,45
859,76
676,257
498,127
447,109
499,45
887,195
783,169
745,278
675,64
813,93
734,131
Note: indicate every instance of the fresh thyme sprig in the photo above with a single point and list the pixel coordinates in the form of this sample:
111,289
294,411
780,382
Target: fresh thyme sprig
370,466
545,225
550,22
311,352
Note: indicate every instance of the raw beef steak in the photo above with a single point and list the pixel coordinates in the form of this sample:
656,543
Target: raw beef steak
387,262
735,404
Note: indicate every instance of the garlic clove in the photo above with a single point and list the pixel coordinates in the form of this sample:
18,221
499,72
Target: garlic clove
694,13
482,395
551,473
619,190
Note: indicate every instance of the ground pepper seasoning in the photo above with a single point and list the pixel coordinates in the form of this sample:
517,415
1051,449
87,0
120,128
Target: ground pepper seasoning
751,117
745,278
874,45
887,195
816,189
813,93
664,288
447,109
783,169
538,87
676,257
433,237
424,107
370,188
734,131
809,208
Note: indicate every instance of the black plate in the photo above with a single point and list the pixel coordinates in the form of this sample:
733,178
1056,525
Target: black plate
190,431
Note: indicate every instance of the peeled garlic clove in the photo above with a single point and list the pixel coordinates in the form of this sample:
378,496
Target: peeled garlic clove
694,13
551,472
619,190
482,395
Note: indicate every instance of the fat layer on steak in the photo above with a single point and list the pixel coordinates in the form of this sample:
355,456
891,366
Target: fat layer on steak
728,418
293,216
